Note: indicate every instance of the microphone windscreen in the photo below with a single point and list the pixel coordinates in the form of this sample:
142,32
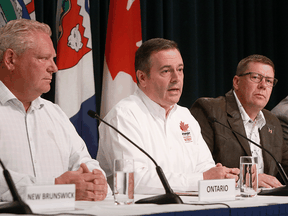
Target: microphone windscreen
91,113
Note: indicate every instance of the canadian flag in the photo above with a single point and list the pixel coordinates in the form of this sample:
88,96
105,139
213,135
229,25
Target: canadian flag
123,39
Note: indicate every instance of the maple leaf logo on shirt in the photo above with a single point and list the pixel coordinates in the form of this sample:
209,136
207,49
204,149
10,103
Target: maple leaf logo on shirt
184,127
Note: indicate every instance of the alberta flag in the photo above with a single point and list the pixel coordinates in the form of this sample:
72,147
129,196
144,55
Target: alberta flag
75,90
123,39
16,9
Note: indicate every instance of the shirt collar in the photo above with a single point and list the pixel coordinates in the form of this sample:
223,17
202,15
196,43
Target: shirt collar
155,109
260,119
37,103
6,95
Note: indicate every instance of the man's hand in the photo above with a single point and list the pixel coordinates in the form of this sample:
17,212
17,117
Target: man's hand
268,181
91,186
101,185
99,181
221,172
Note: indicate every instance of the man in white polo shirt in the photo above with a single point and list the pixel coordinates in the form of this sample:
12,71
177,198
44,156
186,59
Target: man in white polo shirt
153,120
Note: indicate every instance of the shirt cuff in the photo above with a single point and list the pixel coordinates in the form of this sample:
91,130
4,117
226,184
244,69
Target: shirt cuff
45,181
193,181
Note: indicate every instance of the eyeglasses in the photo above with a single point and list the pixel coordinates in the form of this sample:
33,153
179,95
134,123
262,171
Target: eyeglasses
257,78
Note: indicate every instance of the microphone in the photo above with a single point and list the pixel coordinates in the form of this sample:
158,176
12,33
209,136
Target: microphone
17,206
169,197
280,191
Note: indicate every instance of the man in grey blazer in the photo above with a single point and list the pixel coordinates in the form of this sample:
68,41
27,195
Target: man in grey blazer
241,109
281,111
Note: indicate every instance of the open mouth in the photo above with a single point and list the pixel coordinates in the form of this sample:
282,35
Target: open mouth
174,89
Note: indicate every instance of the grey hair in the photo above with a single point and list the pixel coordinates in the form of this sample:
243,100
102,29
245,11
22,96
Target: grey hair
17,35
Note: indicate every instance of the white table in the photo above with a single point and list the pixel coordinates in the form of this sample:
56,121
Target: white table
266,205
107,207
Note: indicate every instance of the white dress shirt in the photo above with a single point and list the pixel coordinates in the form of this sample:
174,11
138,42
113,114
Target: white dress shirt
37,146
252,129
175,143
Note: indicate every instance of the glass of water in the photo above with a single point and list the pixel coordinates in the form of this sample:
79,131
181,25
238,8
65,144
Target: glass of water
248,176
123,181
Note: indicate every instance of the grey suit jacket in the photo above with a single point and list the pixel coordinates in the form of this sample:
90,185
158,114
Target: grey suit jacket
281,111
226,146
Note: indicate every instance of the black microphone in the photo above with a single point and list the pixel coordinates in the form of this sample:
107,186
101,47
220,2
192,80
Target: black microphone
17,206
169,197
280,191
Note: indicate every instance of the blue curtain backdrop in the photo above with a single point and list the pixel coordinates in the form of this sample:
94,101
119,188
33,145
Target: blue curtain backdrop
213,36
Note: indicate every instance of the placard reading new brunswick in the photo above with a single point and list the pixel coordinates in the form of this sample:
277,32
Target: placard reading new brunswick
43,198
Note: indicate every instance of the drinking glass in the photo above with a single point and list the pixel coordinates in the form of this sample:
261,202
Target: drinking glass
123,181
248,176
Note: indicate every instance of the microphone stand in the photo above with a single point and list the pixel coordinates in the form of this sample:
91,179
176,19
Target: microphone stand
17,206
280,191
169,197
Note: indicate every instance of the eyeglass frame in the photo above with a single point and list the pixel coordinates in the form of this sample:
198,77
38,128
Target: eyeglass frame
250,73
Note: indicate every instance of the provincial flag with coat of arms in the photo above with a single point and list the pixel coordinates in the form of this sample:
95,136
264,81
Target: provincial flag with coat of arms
74,87
123,39
16,9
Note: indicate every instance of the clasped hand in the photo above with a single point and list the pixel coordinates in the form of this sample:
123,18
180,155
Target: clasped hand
264,180
221,172
90,186
268,181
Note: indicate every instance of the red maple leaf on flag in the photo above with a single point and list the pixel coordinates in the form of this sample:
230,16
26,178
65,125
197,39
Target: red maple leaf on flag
123,34
184,127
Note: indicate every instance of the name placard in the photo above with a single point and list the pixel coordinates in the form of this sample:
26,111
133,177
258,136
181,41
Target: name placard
41,198
216,190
